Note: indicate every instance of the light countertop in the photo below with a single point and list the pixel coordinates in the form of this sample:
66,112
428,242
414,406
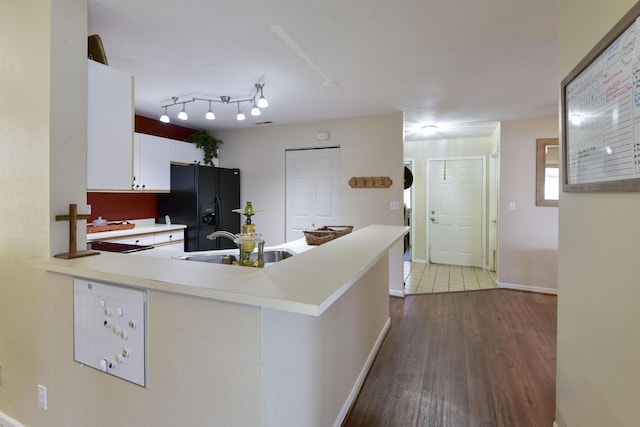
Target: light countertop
142,226
306,283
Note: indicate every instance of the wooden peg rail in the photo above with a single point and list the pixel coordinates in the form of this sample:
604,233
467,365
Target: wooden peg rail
370,182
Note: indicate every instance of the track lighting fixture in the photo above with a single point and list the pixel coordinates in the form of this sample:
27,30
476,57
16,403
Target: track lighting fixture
257,101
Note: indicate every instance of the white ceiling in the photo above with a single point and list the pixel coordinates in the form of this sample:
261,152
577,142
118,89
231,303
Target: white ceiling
463,65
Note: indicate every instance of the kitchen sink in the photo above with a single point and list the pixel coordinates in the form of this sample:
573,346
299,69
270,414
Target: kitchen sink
270,256
212,258
275,255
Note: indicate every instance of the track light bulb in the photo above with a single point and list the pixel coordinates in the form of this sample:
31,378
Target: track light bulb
262,102
182,115
240,115
209,115
164,118
255,111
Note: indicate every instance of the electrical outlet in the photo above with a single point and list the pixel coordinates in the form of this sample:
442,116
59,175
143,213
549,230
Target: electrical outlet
88,210
42,396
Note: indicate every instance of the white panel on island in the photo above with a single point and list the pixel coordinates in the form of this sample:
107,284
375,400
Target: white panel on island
109,329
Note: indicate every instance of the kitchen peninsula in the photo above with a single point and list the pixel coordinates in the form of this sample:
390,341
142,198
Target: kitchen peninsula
289,344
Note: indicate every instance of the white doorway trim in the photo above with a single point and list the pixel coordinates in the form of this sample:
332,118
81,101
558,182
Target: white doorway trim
493,212
412,223
484,202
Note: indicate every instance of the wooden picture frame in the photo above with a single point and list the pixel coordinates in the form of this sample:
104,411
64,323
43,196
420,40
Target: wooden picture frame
600,101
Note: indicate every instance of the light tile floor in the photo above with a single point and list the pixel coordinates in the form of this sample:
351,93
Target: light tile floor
430,278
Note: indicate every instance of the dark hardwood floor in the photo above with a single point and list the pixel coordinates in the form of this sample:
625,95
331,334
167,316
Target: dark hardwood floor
478,358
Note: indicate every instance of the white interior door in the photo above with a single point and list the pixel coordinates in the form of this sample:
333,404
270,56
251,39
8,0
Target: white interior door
456,206
312,190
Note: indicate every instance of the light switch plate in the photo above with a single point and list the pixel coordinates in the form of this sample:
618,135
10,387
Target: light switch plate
42,397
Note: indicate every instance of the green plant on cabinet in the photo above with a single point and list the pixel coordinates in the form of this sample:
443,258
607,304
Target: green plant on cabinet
207,143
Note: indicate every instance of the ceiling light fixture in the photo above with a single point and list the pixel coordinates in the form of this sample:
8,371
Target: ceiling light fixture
257,101
429,129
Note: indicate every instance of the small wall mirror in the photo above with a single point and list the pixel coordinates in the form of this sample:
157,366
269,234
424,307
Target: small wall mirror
547,172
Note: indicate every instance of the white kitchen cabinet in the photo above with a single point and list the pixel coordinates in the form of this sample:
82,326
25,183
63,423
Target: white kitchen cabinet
152,164
170,240
110,116
142,240
186,152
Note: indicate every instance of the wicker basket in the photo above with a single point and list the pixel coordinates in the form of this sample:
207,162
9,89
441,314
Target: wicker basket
326,234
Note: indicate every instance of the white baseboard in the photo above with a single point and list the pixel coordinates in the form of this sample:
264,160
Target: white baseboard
535,289
363,374
6,421
396,293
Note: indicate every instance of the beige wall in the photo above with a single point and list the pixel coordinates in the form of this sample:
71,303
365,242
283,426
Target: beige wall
43,49
420,152
369,146
528,237
599,290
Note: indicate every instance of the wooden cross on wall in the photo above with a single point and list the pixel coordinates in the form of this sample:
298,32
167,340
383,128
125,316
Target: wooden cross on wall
73,217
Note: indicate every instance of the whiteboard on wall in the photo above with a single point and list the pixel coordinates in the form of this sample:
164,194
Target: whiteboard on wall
601,113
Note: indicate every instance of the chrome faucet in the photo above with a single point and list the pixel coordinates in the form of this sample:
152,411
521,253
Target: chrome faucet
229,235
221,233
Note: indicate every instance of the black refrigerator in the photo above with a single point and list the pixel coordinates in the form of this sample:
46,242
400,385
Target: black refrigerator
202,198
